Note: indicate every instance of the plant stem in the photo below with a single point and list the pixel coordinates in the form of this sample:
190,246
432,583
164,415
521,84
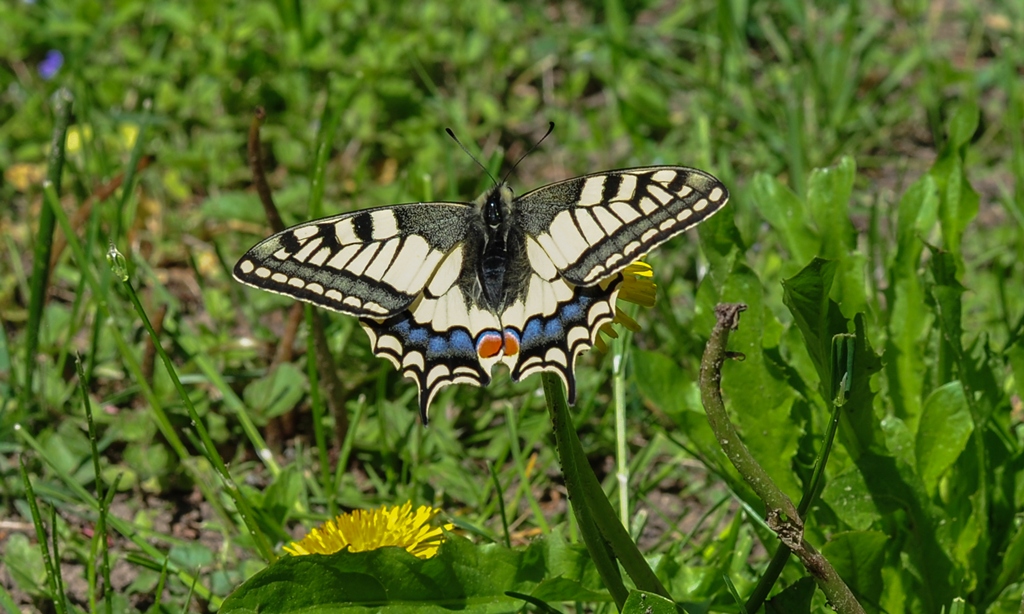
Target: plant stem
782,516
43,246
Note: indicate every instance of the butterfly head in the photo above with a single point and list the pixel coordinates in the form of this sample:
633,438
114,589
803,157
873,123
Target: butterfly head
494,205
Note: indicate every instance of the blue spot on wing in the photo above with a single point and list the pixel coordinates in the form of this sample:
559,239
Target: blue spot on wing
533,330
571,311
418,336
436,345
460,341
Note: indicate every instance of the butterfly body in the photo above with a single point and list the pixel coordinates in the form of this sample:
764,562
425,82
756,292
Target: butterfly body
447,290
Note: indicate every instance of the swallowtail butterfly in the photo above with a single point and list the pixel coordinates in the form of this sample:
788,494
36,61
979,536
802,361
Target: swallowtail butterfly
445,290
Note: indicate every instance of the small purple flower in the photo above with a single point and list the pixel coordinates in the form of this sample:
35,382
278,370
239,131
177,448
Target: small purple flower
51,64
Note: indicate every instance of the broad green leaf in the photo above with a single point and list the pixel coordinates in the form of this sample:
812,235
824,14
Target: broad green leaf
857,557
275,393
640,602
67,448
958,202
233,206
462,576
917,212
895,590
24,562
564,589
828,196
896,488
721,244
1011,564
861,429
909,319
963,124
848,496
786,214
657,379
1016,357
191,555
148,460
280,500
947,291
944,430
756,394
794,599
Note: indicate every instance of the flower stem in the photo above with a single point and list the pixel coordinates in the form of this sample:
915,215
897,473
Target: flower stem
605,537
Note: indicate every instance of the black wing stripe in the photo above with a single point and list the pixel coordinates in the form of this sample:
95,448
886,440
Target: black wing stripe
363,226
610,189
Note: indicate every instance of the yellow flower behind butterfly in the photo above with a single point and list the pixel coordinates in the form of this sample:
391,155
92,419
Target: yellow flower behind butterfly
637,287
362,530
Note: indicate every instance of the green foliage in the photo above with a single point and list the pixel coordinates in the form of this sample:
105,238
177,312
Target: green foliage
461,576
876,233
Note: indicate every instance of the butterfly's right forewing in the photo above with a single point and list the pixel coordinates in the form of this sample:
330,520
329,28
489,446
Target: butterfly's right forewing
594,226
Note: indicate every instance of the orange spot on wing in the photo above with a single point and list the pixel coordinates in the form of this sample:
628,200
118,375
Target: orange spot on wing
489,345
511,344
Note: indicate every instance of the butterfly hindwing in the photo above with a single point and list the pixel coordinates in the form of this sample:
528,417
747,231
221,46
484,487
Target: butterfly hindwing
594,226
553,341
440,339
372,263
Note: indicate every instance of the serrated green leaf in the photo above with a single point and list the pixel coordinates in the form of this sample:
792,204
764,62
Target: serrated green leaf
909,319
861,429
806,294
958,202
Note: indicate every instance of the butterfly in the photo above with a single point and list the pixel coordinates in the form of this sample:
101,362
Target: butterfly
446,290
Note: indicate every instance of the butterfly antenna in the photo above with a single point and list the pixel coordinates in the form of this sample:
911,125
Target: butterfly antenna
471,156
551,128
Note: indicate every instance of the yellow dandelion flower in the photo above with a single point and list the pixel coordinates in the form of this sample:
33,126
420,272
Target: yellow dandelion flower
637,287
362,530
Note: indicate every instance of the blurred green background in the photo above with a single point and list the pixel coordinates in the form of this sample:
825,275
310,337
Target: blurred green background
758,94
